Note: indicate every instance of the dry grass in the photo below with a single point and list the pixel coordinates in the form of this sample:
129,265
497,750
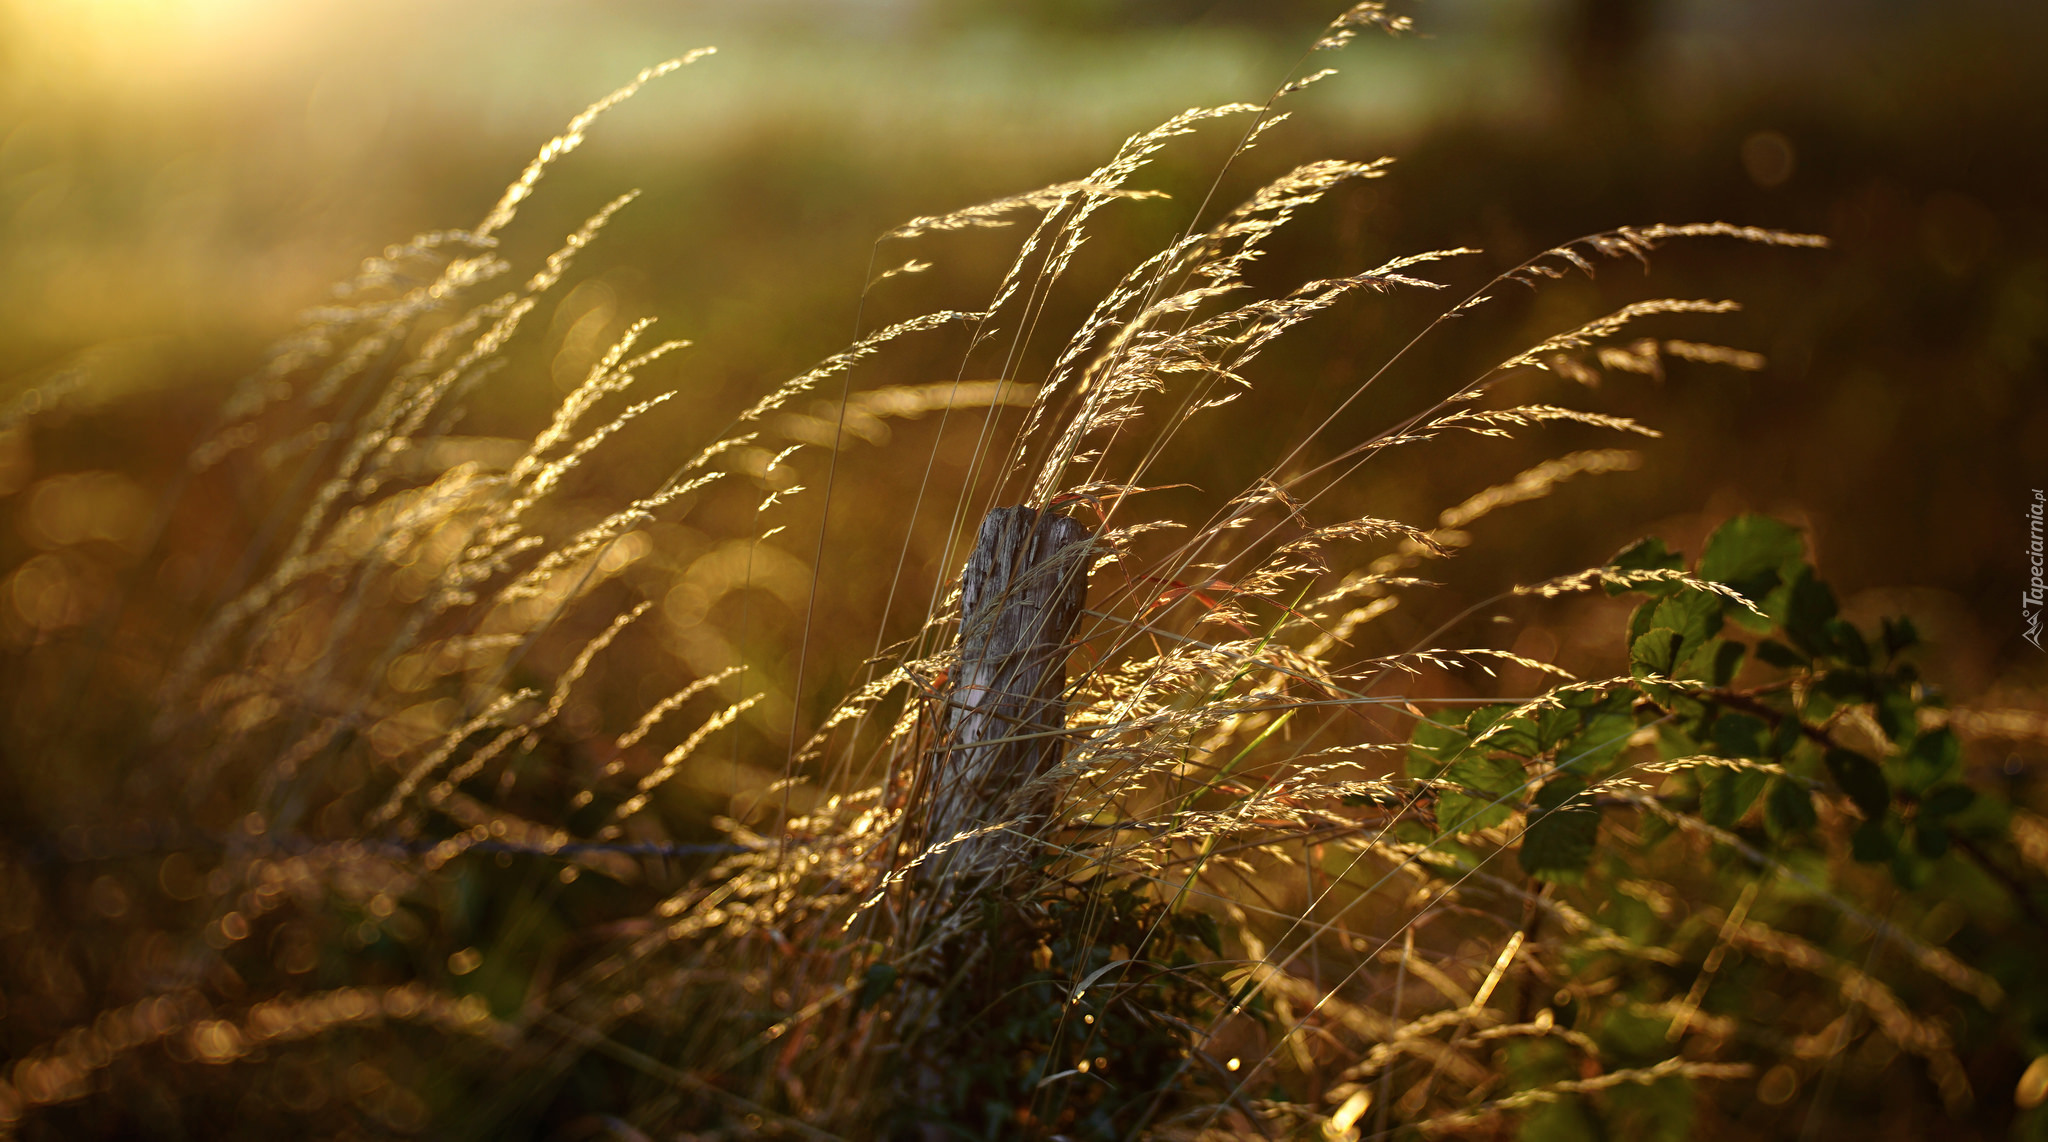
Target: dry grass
424,871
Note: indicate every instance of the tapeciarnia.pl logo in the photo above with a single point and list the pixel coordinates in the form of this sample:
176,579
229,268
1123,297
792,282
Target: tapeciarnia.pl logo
2037,557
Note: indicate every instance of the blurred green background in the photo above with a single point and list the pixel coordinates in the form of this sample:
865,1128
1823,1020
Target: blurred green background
178,178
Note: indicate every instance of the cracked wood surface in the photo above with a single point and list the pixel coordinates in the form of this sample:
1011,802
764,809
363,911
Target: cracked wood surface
1021,596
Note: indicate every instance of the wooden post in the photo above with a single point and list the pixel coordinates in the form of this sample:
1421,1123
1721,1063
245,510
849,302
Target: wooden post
1021,596
1000,729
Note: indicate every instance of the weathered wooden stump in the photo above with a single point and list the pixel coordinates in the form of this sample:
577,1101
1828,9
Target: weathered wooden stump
1021,596
1001,728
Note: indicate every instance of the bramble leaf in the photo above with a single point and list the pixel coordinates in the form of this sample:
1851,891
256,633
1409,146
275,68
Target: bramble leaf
874,985
1591,753
1930,839
1562,833
1899,635
1459,813
1946,801
1740,735
1695,615
1725,796
1898,715
1490,729
1808,608
1718,661
1873,842
1435,741
1848,642
1778,654
1861,780
1656,652
1788,808
1933,757
1497,774
1646,555
1487,784
1755,555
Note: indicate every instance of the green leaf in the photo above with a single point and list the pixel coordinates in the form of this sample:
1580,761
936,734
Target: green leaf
1754,554
1835,689
874,985
1726,795
1930,839
1486,792
1460,813
1861,779
1451,860
1639,620
1873,842
1988,818
1845,685
1784,738
1655,653
1646,555
1747,548
1695,615
1848,642
1933,757
1497,774
1202,926
1654,829
1778,654
1899,635
1718,660
1619,700
1562,831
1593,752
1661,1111
1788,808
1555,726
1413,833
1740,735
1897,714
1633,1036
1517,735
1531,1063
1437,739
1909,869
1946,801
1566,1120
1808,607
